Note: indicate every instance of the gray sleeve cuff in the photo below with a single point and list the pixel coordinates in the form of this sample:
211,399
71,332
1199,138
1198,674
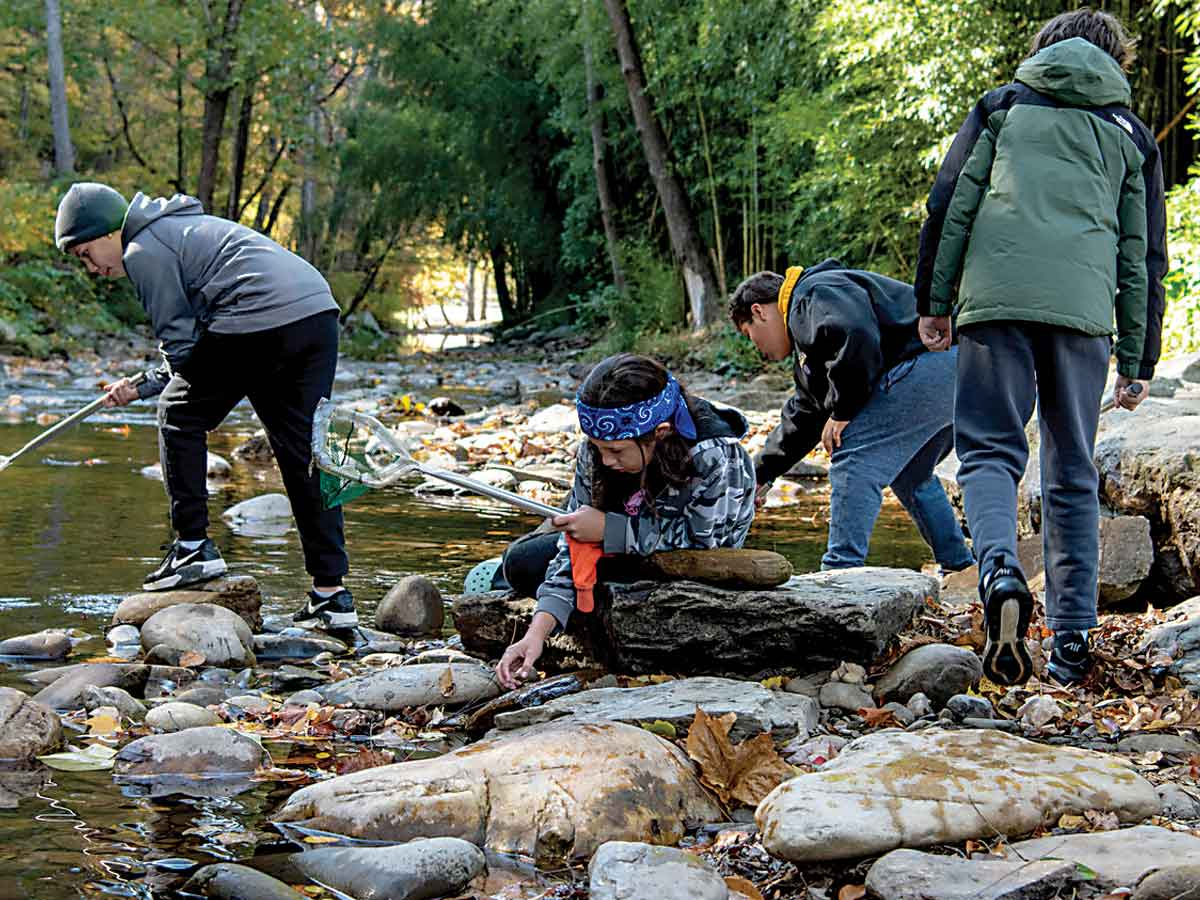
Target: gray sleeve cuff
616,531
558,606
156,380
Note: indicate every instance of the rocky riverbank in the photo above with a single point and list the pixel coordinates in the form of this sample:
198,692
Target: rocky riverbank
821,739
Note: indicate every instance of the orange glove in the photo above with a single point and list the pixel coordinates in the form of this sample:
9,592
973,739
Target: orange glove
584,557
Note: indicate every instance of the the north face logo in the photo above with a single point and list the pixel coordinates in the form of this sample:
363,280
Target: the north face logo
1123,122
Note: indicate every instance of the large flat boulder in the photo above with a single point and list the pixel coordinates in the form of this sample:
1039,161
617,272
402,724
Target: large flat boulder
553,793
238,593
897,789
426,684
757,708
811,622
1118,857
27,728
913,875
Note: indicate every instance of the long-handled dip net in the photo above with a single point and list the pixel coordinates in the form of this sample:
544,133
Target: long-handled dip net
356,452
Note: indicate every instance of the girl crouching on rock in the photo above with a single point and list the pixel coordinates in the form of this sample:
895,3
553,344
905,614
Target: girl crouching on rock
659,470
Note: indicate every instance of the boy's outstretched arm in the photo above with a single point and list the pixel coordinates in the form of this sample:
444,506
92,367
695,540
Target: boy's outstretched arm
798,432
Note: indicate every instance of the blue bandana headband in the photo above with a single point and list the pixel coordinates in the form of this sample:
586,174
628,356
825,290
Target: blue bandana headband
637,419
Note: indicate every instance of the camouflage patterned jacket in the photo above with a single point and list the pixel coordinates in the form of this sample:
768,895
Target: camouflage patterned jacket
714,509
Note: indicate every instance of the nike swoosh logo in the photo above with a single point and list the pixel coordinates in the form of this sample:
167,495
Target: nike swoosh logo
184,560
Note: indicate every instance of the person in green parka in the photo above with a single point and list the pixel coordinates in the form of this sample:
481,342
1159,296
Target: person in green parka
1047,217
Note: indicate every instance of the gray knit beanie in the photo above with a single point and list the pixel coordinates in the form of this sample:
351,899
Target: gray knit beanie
87,211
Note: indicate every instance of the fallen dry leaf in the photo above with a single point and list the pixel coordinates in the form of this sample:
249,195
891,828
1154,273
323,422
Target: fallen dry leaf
367,759
878,718
852,892
747,772
191,659
446,682
1102,820
743,886
105,721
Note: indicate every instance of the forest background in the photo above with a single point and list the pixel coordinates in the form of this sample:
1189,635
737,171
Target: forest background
616,166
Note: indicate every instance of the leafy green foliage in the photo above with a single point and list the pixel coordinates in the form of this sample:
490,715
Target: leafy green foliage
1181,322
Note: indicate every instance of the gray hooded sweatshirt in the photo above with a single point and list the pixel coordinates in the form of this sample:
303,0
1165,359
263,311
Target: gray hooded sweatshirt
195,273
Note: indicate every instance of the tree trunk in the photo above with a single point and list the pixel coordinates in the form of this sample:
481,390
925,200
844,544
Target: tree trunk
368,281
608,206
483,296
470,290
269,226
23,115
499,261
180,170
264,207
64,151
241,141
690,250
218,67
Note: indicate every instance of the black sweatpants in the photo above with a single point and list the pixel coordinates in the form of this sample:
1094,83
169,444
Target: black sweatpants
526,559
1003,367
283,372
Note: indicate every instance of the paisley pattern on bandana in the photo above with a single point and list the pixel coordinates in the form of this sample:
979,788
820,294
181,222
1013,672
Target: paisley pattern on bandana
632,421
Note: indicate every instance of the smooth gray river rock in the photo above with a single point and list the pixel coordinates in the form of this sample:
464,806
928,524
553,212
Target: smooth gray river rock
196,751
230,881
430,684
623,870
27,728
220,636
419,870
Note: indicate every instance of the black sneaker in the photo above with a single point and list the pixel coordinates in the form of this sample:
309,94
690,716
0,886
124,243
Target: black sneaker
181,567
1070,657
1007,609
334,613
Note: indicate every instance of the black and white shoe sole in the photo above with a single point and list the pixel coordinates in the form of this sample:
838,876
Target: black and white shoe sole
194,573
330,621
1006,659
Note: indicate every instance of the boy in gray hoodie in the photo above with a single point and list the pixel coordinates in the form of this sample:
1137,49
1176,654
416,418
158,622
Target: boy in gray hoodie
237,316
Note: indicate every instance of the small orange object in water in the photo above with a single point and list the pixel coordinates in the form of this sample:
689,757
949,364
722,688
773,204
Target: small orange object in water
584,557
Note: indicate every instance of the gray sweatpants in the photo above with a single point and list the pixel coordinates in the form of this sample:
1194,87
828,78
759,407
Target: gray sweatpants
1003,367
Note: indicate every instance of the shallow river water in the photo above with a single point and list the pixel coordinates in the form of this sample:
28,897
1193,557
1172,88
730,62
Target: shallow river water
80,526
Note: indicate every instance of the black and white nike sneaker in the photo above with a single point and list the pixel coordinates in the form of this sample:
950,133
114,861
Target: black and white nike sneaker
1070,657
1007,610
334,613
181,567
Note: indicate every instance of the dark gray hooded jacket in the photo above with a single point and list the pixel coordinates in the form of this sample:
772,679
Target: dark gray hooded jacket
195,273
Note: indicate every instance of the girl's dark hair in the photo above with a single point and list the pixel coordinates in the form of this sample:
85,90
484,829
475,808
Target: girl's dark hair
1100,28
618,381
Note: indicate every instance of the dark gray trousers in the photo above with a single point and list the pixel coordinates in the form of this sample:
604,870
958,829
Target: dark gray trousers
1003,368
